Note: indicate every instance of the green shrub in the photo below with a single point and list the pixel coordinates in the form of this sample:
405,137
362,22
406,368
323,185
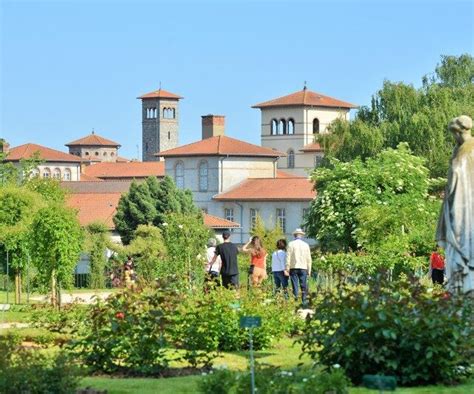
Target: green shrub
271,380
397,328
66,320
24,370
129,333
207,323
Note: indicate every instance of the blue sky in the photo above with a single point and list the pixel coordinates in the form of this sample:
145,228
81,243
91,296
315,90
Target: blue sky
70,66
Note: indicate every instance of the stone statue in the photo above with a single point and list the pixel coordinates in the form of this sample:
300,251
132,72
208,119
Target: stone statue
455,231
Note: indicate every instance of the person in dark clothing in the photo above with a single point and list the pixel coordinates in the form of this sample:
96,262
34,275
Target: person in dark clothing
437,267
230,268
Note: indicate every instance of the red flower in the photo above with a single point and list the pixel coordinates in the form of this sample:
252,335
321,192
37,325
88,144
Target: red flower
446,296
120,315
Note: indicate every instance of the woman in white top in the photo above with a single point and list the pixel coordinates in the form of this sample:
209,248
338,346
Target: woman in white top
212,270
280,275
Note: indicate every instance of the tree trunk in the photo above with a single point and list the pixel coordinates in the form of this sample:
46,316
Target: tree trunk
54,294
17,287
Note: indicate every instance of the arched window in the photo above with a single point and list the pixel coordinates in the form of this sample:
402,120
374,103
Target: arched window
291,158
112,154
87,153
57,173
105,154
282,127
34,173
173,113
97,153
46,173
203,176
274,127
315,126
67,174
179,175
291,126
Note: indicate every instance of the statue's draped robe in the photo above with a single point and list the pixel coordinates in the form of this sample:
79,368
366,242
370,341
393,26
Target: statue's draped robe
455,231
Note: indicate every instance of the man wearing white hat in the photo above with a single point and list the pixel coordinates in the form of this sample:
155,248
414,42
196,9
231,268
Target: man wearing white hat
298,263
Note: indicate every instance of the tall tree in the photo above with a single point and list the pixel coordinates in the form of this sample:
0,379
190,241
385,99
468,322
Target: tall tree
17,208
96,245
149,203
56,243
402,113
135,207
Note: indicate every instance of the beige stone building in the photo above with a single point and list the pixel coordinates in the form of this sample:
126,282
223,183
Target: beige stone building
93,149
291,123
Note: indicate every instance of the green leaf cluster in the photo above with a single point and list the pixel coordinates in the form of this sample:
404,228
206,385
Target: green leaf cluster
402,113
148,203
362,204
401,328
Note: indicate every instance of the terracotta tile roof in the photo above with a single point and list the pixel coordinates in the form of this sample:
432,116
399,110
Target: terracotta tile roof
121,159
95,207
220,146
313,147
96,187
26,151
133,169
284,174
212,221
160,93
87,178
305,97
270,189
94,140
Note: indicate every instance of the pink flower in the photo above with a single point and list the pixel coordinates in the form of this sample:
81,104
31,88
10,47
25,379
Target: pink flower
120,315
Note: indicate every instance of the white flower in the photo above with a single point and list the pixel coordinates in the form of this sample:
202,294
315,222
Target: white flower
336,366
305,380
204,374
164,224
180,226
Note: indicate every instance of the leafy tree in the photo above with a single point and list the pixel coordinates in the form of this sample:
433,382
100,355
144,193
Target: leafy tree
96,245
185,237
135,207
269,237
50,189
17,207
402,113
149,203
149,252
56,243
393,177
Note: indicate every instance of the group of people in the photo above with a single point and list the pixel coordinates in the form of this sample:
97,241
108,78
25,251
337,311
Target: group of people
290,263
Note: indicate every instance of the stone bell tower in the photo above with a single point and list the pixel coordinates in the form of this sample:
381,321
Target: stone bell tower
160,123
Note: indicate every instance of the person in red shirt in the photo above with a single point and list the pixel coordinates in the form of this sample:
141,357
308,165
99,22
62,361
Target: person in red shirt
258,257
437,266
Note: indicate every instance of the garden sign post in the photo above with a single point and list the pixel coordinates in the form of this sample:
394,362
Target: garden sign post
251,322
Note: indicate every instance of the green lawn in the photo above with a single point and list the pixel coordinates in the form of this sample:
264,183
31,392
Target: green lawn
285,354
190,385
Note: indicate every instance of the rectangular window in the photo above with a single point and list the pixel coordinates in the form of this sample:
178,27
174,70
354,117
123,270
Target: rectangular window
229,214
281,218
253,217
318,160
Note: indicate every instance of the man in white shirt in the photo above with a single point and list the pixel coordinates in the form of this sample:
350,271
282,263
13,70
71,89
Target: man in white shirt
298,263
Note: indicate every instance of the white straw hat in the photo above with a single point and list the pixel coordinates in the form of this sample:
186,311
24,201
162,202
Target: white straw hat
298,231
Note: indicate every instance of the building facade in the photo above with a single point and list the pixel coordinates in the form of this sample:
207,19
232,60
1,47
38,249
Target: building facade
292,123
94,148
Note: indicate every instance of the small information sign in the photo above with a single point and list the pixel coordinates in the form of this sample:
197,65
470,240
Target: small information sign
250,321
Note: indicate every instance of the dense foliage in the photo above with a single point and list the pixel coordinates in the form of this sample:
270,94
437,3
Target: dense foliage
148,203
402,113
390,188
268,236
96,242
401,328
142,332
270,380
55,246
26,370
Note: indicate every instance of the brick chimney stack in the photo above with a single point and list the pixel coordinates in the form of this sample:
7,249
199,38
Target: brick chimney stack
212,125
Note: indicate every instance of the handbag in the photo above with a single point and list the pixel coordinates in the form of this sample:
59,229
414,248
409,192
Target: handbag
251,268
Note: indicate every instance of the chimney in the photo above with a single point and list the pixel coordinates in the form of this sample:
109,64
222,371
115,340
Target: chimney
4,146
212,125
